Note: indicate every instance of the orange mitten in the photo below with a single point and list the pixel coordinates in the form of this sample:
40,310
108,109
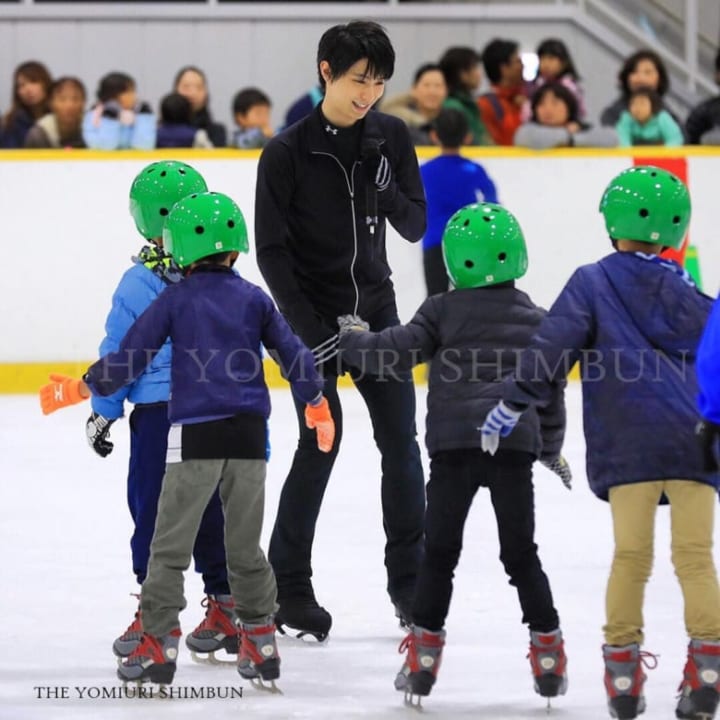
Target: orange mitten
319,417
61,392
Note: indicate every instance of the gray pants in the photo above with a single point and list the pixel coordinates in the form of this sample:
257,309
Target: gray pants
186,490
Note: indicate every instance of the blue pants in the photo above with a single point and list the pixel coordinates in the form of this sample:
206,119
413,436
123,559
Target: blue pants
149,426
391,403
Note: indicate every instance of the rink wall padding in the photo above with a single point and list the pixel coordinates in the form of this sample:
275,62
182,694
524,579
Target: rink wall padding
68,236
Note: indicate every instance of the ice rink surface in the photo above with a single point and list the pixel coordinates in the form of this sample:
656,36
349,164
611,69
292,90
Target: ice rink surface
64,534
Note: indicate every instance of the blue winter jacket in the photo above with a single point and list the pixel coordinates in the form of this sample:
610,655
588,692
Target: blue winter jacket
708,367
634,326
216,322
107,133
137,289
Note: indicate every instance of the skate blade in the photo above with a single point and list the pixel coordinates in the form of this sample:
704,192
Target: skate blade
414,702
259,684
210,659
304,636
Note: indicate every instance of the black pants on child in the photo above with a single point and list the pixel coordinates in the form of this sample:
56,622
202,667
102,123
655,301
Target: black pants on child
455,476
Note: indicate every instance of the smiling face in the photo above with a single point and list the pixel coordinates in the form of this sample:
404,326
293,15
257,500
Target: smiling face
429,92
349,97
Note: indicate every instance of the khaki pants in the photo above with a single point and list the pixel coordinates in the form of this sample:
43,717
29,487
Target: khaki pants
186,490
692,511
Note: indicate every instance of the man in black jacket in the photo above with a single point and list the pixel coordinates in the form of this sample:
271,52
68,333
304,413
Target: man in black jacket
325,187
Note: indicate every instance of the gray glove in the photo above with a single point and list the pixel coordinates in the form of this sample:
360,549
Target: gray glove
560,467
351,323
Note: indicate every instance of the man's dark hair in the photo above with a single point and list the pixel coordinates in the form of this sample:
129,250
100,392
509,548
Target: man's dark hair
114,84
496,53
343,45
175,109
632,62
452,128
560,92
249,98
456,60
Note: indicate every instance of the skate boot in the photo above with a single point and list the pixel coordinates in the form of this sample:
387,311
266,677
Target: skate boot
301,613
624,679
130,639
217,631
420,669
258,658
153,660
700,687
549,663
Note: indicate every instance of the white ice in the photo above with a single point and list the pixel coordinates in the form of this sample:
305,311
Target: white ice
64,534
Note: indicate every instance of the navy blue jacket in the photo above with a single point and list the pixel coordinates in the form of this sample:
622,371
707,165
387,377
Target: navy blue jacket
216,322
634,325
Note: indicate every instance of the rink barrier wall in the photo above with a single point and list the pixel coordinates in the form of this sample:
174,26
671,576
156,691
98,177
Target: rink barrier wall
68,236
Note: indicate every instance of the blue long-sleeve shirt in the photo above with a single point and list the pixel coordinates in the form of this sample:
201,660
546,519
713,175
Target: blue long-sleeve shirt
708,367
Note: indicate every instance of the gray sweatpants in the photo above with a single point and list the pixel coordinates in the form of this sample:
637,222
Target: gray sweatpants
186,490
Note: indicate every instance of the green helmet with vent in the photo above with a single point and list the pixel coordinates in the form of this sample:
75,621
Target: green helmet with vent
647,204
483,245
204,224
156,188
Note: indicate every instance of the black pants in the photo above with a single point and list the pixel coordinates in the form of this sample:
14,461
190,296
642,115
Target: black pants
436,278
391,404
455,477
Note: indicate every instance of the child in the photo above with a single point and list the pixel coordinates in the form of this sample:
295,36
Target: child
153,192
646,123
62,126
176,128
251,108
633,320
555,64
451,182
118,121
218,410
485,252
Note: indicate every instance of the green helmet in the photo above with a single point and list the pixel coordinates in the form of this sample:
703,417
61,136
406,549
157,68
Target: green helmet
483,245
204,224
647,204
156,188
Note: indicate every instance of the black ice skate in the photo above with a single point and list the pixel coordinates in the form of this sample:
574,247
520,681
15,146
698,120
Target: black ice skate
153,660
304,616
420,669
624,679
130,639
549,664
700,687
258,659
217,631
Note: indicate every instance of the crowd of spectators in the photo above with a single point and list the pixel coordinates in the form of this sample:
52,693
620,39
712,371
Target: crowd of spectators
543,112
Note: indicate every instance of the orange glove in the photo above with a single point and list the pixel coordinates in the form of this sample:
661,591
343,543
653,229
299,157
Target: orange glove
61,392
319,417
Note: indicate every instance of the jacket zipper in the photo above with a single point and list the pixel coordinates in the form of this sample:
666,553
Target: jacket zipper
349,182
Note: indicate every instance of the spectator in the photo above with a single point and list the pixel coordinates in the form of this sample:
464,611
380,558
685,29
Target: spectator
30,102
176,128
461,68
304,105
421,106
554,123
451,182
556,65
505,107
251,108
644,68
191,82
703,123
118,121
62,126
646,123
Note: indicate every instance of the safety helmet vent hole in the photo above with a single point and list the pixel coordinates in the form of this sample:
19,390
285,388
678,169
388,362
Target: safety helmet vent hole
193,196
676,219
487,219
653,174
163,173
231,224
502,257
199,230
644,212
181,171
469,264
164,211
466,223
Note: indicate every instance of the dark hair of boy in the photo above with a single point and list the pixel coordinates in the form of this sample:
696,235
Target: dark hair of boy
651,95
112,85
341,46
497,53
451,127
560,92
631,63
249,98
558,49
454,62
175,109
424,68
61,82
